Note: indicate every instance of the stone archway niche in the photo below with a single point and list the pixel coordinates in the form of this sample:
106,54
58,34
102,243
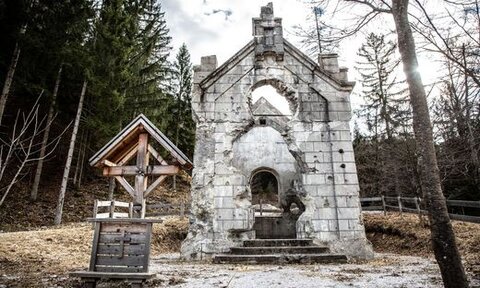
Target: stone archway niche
312,149
264,188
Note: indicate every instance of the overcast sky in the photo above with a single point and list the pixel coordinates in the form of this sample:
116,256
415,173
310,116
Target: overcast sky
221,27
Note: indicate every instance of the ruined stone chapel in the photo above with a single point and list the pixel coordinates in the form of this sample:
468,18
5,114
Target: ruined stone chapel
261,172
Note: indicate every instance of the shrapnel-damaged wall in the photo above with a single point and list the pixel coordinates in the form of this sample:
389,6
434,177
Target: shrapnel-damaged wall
317,141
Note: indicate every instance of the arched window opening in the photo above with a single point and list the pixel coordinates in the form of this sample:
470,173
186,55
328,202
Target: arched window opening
267,102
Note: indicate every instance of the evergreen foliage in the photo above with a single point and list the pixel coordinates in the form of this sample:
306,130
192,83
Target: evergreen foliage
185,126
386,106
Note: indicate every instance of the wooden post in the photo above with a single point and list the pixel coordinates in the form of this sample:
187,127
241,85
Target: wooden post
417,206
111,187
144,209
399,199
112,208
384,206
95,209
182,209
141,178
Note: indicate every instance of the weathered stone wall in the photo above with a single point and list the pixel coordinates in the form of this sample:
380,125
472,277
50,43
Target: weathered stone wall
314,147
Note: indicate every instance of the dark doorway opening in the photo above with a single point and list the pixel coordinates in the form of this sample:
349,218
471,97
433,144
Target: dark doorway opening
270,220
264,187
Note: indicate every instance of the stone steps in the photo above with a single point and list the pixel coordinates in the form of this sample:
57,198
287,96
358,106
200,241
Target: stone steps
277,242
279,259
278,251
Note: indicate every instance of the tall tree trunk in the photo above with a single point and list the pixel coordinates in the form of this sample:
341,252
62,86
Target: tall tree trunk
442,235
43,149
79,158
66,171
9,78
82,161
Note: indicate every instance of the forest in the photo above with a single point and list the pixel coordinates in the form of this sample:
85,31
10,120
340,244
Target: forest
73,74
120,54
447,38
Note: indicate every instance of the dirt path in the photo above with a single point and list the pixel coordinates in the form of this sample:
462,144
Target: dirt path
386,270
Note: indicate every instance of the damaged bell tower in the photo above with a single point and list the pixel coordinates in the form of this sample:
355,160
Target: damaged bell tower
262,173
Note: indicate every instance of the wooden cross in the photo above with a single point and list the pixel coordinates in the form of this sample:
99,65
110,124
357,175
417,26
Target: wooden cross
122,239
141,170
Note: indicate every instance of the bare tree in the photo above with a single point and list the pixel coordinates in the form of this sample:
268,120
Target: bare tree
46,133
10,73
20,149
442,235
68,164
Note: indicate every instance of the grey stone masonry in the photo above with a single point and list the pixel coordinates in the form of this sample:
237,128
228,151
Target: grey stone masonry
310,151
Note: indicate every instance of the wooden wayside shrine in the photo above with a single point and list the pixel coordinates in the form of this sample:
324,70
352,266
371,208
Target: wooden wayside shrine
116,157
121,247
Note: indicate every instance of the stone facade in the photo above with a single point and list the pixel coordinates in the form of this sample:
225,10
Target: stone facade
313,147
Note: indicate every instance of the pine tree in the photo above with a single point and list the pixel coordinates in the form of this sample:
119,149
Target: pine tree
385,105
152,84
385,110
185,126
109,71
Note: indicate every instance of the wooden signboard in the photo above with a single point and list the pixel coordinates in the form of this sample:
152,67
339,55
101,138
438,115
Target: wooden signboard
120,250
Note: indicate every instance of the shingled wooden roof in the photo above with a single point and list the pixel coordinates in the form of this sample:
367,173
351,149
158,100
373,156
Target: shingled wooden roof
127,140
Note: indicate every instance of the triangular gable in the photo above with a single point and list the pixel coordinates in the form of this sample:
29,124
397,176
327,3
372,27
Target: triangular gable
127,139
289,48
264,107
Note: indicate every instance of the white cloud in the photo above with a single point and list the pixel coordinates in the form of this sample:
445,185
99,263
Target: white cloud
222,33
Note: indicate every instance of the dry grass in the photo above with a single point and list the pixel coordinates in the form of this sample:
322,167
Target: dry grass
29,256
404,234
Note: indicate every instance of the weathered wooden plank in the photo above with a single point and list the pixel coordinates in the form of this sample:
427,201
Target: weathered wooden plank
370,199
121,204
112,238
101,203
130,227
134,170
142,162
116,275
372,208
464,203
130,260
126,185
119,269
147,253
129,155
154,185
467,218
108,163
116,249
120,215
103,215
93,255
95,209
123,220
156,155
122,269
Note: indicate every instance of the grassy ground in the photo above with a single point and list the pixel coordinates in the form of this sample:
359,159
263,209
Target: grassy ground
48,254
